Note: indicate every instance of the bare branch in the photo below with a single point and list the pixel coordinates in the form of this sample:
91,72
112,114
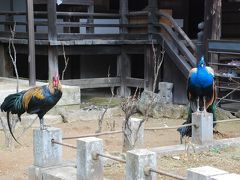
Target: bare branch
66,60
129,105
13,56
100,121
224,97
158,60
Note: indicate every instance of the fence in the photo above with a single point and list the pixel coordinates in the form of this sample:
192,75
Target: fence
140,163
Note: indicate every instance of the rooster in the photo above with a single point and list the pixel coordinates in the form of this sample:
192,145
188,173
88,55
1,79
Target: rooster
201,93
37,100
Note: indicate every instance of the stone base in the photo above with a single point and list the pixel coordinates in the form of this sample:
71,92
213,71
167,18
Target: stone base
65,171
204,173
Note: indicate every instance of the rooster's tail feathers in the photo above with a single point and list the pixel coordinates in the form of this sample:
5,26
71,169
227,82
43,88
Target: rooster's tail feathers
10,128
13,103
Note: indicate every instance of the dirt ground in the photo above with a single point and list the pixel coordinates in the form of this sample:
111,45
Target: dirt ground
14,164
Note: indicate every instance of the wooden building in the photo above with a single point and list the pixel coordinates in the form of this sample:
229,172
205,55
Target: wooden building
102,37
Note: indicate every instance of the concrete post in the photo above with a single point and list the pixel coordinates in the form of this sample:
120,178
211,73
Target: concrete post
87,167
202,130
44,151
165,92
133,137
203,173
136,163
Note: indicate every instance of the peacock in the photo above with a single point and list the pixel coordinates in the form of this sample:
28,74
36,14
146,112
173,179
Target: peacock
201,93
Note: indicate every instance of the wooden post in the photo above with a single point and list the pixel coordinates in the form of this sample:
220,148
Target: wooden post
212,21
31,44
200,42
148,69
9,17
123,11
152,17
124,71
90,19
52,36
6,68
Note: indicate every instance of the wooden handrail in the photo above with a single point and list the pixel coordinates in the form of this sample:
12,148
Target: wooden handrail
81,14
12,13
179,44
137,13
178,29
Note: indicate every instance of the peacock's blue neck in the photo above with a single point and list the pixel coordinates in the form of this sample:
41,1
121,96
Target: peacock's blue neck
202,78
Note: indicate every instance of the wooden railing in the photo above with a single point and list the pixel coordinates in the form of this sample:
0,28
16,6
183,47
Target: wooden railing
104,82
108,22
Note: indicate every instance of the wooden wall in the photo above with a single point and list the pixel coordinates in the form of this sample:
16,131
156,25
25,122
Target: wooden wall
230,19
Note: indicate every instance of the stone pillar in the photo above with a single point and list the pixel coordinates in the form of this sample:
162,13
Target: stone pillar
46,153
133,137
204,173
137,162
87,167
165,92
202,130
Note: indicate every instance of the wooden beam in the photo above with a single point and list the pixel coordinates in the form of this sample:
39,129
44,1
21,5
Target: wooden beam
212,21
123,71
9,17
123,11
6,68
93,82
31,44
86,14
52,19
152,17
52,37
135,82
78,2
148,69
90,20
52,61
73,2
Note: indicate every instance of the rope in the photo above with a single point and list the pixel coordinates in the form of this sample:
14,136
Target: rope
150,128
170,127
96,155
93,135
63,144
227,120
148,170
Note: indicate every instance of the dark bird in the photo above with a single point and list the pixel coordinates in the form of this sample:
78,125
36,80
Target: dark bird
37,100
201,93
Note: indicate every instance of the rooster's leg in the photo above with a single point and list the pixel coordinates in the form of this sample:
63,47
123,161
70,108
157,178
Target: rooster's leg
42,124
204,105
198,105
